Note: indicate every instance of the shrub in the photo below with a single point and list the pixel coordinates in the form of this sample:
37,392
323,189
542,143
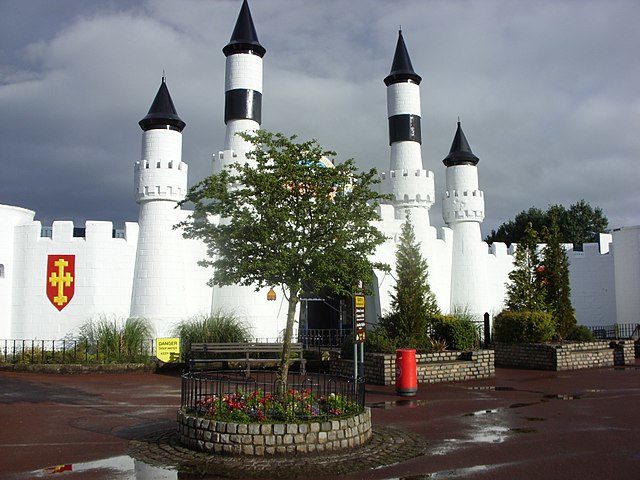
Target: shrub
580,333
523,327
116,340
219,327
457,331
377,341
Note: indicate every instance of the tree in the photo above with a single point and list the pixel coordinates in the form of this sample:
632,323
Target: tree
525,292
579,224
413,302
555,280
288,221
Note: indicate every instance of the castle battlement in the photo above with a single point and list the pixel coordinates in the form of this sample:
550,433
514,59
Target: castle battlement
94,231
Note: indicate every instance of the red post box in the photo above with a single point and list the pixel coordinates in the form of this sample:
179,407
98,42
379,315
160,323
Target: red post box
406,375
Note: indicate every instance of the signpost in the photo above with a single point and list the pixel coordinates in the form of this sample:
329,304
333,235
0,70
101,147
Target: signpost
359,336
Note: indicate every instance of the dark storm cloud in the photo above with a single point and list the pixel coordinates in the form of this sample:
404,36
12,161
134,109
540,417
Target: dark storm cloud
547,92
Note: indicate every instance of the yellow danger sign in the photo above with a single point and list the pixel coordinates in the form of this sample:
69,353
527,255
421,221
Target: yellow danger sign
168,349
359,301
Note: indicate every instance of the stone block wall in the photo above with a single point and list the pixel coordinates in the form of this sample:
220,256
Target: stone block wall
380,368
226,438
570,356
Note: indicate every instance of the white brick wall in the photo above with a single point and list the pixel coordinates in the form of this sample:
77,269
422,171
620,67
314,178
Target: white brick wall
403,98
243,70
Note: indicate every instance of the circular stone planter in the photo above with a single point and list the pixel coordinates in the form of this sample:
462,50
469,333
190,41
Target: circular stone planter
226,438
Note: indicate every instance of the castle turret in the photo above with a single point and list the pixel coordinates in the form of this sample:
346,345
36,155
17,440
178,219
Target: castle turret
243,88
463,211
160,183
243,112
412,186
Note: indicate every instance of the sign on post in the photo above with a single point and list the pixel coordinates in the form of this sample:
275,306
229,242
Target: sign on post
168,349
359,314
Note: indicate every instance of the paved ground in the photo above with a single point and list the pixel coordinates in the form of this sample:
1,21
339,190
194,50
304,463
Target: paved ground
522,424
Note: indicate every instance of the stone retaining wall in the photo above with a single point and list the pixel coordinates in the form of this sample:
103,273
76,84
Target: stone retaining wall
380,368
261,439
73,368
568,356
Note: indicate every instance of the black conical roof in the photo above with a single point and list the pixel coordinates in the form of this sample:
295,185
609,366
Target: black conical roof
162,112
460,153
244,37
401,69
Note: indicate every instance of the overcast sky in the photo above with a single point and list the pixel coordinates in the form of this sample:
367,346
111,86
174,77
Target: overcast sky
548,93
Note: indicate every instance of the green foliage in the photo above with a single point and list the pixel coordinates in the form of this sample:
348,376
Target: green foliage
555,281
457,331
412,302
578,224
219,327
288,221
525,292
378,341
580,333
523,327
115,340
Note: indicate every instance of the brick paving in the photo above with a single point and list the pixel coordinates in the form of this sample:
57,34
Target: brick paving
523,424
387,446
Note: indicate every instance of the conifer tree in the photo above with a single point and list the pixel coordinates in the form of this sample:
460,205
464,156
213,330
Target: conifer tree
525,292
555,280
413,303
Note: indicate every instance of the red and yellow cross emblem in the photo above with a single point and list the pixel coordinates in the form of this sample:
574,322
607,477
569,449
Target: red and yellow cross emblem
61,279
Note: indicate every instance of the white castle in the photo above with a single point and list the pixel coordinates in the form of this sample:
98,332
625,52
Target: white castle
53,279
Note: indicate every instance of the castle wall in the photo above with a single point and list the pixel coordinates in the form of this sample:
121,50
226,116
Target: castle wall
102,280
626,247
593,286
10,217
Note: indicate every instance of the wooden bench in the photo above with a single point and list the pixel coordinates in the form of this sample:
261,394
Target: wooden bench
246,353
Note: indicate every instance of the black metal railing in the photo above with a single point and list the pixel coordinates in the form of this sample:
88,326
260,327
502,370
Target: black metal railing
262,396
74,351
323,337
615,331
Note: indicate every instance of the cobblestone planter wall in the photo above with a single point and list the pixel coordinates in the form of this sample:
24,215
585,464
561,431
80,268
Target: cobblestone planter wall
569,356
380,368
261,439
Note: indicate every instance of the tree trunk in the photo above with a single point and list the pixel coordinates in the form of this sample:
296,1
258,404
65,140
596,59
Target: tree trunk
283,369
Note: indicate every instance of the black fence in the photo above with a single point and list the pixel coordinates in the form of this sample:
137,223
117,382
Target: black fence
262,395
323,337
75,351
615,331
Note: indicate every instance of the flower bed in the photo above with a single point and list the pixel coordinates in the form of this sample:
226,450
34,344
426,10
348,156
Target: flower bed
227,413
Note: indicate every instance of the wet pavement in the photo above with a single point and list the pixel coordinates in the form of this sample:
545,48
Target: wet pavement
522,424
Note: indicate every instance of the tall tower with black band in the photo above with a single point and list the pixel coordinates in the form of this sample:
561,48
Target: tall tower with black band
463,212
243,88
243,112
160,179
411,186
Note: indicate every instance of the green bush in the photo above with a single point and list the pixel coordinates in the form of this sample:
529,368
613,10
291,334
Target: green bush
117,341
523,327
377,341
580,333
457,331
219,327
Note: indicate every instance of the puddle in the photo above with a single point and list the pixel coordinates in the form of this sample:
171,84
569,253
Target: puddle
480,412
122,467
564,396
523,430
494,389
397,403
520,405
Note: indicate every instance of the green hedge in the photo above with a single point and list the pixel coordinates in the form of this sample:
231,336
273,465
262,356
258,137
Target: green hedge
580,333
523,327
458,332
